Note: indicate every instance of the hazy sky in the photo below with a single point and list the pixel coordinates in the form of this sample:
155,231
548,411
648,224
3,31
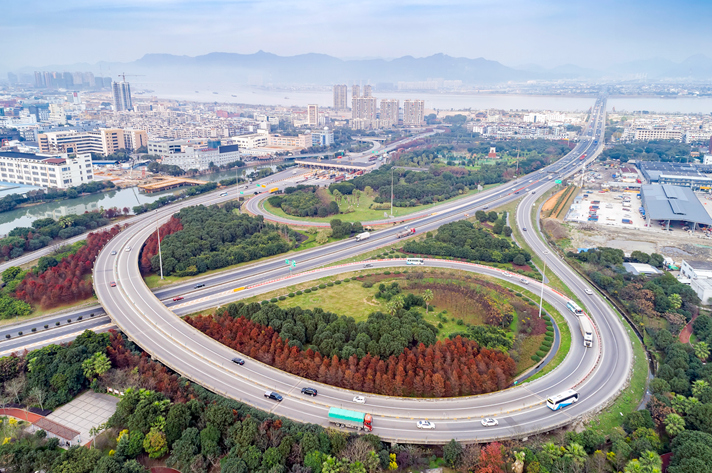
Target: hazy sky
548,32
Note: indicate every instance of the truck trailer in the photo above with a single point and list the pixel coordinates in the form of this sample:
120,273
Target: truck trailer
362,236
405,233
586,331
350,419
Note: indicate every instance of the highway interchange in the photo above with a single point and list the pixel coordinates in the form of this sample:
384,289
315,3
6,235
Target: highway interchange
598,373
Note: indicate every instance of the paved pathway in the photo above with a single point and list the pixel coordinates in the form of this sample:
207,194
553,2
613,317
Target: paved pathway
687,331
85,412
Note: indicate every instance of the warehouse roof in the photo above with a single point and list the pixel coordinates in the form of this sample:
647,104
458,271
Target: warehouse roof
673,203
640,268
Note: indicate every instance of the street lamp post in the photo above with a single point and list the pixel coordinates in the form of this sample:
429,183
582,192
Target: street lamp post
160,257
392,169
541,298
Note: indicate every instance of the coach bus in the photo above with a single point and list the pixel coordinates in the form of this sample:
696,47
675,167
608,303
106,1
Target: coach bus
573,307
562,400
414,261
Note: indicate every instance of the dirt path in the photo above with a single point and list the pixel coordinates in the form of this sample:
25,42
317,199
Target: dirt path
687,331
551,202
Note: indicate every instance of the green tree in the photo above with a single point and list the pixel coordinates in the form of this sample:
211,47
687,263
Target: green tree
702,350
675,301
452,452
519,260
177,421
651,462
97,365
576,454
698,387
674,425
427,297
77,459
322,237
395,304
184,449
155,443
10,273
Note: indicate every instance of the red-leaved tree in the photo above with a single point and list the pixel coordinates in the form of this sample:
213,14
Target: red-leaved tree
150,248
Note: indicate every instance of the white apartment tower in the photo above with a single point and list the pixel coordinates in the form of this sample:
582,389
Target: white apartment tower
389,113
121,93
312,115
363,109
413,112
340,93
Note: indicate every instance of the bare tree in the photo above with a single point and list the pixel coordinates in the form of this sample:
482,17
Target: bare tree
38,395
470,456
358,450
15,387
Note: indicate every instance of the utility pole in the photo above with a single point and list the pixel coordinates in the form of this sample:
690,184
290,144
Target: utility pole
160,257
392,169
516,172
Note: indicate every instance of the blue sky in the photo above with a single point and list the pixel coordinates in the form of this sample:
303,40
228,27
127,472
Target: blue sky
546,32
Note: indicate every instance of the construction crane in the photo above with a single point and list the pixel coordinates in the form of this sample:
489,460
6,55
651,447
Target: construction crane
123,76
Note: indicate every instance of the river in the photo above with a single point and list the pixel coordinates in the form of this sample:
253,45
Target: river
24,216
230,93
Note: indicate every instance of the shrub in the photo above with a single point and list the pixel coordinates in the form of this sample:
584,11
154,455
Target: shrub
69,320
7,335
396,272
281,298
440,325
347,279
519,294
460,322
274,299
307,291
291,294
330,284
19,333
299,293
386,273
337,282
264,302
536,358
34,329
57,324
46,326
540,353
532,303
322,286
367,284
91,315
80,317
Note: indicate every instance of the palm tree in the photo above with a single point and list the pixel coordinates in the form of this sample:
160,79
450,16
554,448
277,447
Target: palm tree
633,466
699,386
427,297
337,196
702,350
674,425
575,453
395,304
651,462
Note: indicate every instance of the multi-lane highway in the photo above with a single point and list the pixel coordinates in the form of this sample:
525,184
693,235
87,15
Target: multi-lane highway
597,373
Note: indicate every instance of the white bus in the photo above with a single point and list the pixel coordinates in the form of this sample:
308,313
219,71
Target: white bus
573,307
414,261
562,400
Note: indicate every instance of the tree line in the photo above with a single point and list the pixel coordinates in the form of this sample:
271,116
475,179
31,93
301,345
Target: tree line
456,367
66,282
45,230
462,239
304,201
665,151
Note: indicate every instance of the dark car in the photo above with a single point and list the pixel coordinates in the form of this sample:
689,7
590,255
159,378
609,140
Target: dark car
198,286
309,391
273,395
524,228
239,361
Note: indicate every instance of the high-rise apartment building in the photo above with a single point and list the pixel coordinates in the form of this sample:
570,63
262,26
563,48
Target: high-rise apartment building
121,93
413,112
312,115
340,102
40,80
88,79
389,113
355,91
102,141
68,79
367,91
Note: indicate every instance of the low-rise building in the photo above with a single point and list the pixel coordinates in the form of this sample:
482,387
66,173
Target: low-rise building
46,170
301,141
703,288
696,269
251,140
200,158
102,141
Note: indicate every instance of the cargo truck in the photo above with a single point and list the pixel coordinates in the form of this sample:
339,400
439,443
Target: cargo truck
350,419
586,331
274,189
362,236
339,178
406,233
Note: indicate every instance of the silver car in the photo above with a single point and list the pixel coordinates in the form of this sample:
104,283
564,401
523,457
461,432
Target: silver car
489,422
424,424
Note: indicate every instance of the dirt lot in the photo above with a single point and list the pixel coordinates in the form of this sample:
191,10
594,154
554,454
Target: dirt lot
613,207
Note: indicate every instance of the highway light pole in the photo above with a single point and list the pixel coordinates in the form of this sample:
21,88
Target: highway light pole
541,298
160,257
392,169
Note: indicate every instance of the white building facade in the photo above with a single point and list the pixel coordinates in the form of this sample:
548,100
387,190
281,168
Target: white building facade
200,158
46,170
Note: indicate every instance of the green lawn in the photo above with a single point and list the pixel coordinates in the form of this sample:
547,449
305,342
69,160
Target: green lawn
362,212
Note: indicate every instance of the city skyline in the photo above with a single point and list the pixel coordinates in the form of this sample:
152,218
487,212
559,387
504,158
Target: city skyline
515,33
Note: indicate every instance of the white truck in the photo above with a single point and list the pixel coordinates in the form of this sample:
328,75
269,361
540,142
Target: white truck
362,236
586,331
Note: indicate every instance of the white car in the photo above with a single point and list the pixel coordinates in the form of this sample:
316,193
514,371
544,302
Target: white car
589,292
524,281
424,424
128,248
360,399
489,422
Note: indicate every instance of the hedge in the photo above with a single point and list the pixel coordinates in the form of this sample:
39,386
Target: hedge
536,358
541,353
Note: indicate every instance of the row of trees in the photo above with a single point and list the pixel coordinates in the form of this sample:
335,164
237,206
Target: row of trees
214,237
11,201
45,230
462,239
329,334
665,151
66,282
451,368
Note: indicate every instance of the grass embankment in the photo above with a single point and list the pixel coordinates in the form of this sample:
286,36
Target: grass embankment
563,202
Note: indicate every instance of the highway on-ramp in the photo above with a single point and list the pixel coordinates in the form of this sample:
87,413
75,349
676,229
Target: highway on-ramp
598,373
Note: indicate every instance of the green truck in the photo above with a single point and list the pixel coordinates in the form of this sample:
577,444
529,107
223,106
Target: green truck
350,419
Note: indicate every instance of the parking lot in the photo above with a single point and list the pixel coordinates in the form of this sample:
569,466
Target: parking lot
610,208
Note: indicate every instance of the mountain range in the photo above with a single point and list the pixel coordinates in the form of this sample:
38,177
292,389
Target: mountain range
313,68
